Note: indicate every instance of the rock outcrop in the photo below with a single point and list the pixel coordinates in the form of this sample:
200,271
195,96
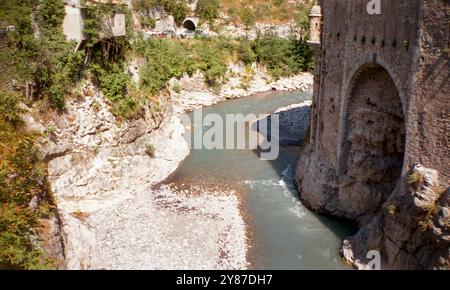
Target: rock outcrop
112,217
293,124
413,229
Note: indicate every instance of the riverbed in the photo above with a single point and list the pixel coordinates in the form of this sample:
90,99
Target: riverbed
281,232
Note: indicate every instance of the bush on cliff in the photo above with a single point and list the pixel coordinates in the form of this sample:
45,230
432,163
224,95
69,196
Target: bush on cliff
167,59
22,176
283,57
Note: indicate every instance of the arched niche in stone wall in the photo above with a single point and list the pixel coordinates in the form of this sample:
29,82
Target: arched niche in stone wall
373,140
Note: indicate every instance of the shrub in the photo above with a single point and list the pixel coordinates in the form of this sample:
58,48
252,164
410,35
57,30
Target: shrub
177,88
17,224
114,82
246,53
416,178
282,57
208,10
51,129
147,22
165,60
22,176
150,150
9,108
178,9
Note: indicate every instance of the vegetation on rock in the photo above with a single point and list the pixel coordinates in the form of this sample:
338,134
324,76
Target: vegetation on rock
208,10
47,61
22,178
177,8
167,59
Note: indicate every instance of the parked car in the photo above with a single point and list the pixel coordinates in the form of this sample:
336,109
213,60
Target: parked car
201,32
188,34
169,33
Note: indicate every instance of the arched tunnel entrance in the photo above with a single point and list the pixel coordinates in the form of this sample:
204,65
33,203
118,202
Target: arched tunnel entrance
374,140
189,25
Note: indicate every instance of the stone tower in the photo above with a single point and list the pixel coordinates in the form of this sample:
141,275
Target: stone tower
380,130
315,25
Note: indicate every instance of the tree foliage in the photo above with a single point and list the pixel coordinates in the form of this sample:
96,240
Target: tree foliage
248,17
282,57
48,60
22,177
208,10
168,59
177,8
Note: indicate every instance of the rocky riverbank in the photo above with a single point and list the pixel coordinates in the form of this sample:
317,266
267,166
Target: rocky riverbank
294,121
189,93
103,181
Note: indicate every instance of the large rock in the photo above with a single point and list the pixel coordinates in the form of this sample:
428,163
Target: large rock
413,229
293,124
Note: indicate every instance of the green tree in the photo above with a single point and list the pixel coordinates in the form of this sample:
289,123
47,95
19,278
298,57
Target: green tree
52,14
48,60
57,65
24,46
208,10
248,17
282,57
177,8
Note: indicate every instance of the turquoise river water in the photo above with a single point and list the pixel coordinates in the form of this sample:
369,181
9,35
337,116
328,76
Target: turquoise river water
283,233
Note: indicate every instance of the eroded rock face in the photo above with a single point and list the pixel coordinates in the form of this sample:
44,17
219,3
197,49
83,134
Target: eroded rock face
412,229
111,215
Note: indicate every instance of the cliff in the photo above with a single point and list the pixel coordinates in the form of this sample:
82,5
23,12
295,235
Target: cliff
103,180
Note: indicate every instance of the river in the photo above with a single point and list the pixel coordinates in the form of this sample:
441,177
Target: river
283,234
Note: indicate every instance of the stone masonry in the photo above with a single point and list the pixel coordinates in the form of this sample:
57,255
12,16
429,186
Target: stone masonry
379,144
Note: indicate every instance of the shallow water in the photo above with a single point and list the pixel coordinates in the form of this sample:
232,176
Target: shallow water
284,234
